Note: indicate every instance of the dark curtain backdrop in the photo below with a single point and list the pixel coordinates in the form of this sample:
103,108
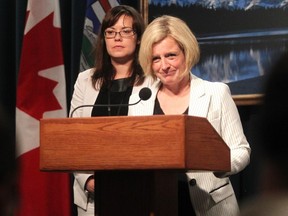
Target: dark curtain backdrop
7,56
7,88
12,20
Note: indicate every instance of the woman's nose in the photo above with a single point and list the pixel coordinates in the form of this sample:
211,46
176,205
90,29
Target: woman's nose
164,64
118,36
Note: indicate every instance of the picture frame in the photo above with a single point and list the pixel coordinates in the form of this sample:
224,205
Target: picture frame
265,35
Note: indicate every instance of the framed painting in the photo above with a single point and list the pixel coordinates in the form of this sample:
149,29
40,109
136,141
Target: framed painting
239,40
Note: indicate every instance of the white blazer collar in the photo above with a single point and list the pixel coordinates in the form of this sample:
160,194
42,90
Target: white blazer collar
199,100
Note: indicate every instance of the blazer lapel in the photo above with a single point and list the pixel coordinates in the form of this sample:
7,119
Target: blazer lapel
199,100
90,96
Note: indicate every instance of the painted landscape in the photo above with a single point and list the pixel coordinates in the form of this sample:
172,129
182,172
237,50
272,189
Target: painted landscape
239,39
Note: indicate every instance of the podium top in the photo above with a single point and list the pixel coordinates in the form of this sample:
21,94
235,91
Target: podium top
131,143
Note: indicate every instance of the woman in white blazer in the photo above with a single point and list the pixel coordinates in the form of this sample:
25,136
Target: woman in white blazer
117,75
167,54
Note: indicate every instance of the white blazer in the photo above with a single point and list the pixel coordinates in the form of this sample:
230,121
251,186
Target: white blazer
210,195
85,94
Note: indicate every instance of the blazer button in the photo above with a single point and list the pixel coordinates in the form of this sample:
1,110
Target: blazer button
192,182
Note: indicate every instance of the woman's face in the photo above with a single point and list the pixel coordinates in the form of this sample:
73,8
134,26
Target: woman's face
121,48
168,61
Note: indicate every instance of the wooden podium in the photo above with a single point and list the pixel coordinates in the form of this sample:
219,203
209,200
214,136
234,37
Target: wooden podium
136,158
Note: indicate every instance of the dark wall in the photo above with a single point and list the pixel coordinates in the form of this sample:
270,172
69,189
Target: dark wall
7,56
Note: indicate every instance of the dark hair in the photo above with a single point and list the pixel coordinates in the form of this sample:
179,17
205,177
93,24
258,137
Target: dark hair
104,71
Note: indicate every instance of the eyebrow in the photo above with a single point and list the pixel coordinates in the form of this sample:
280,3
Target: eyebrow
176,52
123,27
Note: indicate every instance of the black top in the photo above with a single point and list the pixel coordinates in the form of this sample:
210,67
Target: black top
185,207
158,110
119,93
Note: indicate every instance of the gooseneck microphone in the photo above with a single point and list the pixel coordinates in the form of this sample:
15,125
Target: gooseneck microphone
144,94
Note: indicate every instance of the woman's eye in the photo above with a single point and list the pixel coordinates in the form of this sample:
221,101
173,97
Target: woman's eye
155,59
127,31
171,55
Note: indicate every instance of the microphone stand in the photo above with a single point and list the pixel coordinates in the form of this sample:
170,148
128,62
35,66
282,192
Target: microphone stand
103,105
144,94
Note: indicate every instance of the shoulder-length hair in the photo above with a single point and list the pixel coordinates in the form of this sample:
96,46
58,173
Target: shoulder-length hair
104,71
161,28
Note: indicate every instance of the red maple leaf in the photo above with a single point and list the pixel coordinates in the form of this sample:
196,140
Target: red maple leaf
41,50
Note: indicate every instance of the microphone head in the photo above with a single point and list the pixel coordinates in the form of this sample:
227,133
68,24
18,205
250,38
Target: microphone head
145,93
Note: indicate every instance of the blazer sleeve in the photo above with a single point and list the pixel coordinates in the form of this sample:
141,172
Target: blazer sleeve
78,94
231,131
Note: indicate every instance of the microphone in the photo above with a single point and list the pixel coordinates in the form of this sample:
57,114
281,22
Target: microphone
144,94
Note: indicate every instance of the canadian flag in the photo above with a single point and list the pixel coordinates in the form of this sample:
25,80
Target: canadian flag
41,93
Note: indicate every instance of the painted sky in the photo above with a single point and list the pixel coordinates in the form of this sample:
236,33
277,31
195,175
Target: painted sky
230,4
